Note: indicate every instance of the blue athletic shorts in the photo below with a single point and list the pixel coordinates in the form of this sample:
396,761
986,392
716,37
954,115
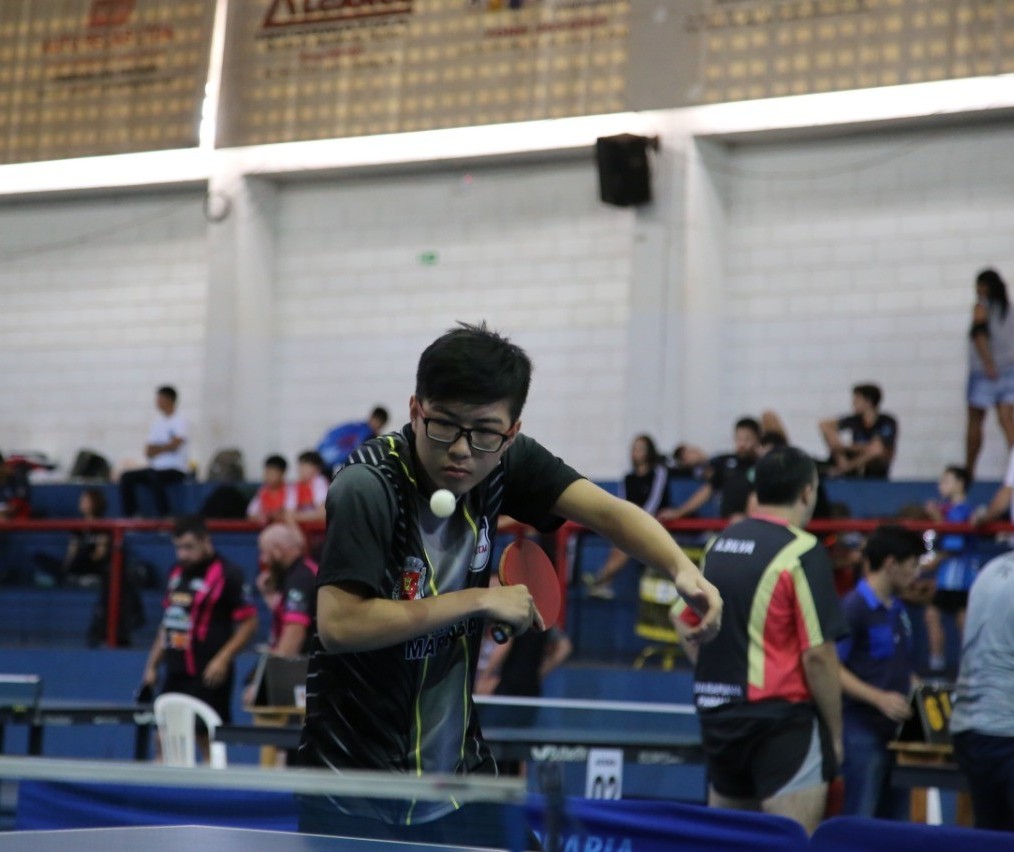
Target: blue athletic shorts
984,393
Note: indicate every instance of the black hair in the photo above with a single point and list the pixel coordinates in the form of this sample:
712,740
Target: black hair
996,290
958,472
748,423
870,392
892,540
654,457
380,413
314,458
782,474
475,366
773,439
277,462
190,524
168,391
98,501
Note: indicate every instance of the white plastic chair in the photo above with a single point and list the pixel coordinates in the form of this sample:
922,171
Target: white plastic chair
175,714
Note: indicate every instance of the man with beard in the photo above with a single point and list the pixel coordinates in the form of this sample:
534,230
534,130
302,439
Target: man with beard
208,619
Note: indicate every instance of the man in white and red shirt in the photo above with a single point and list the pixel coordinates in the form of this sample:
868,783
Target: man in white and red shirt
307,495
272,499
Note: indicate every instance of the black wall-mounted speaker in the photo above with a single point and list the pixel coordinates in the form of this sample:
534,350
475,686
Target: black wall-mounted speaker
624,171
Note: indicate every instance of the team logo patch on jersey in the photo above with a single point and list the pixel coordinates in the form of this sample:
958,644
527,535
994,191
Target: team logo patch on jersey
480,559
413,580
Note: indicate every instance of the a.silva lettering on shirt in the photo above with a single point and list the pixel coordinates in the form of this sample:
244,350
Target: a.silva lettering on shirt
716,694
739,546
434,643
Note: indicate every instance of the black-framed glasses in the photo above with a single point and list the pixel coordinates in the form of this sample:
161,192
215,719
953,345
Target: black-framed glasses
446,432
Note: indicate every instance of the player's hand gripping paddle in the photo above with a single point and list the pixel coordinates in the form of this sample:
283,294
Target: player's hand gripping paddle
525,563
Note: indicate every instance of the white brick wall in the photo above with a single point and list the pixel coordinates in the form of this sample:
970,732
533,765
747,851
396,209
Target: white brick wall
531,250
102,301
841,260
854,259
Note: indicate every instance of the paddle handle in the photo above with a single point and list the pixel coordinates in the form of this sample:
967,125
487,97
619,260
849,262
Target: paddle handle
501,633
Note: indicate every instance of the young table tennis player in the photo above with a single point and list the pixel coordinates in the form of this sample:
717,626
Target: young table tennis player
404,593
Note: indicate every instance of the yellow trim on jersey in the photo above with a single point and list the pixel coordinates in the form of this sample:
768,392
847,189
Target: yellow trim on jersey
473,525
395,454
787,559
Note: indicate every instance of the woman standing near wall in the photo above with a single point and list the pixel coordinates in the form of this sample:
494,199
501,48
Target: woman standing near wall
990,363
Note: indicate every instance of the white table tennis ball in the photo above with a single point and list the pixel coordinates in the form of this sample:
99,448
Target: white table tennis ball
442,503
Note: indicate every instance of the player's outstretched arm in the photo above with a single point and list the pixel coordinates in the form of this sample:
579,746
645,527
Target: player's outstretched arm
637,533
348,621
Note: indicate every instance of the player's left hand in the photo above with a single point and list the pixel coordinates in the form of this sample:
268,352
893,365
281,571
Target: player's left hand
704,599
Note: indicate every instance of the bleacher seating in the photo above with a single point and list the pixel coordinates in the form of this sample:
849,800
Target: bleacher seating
59,499
604,630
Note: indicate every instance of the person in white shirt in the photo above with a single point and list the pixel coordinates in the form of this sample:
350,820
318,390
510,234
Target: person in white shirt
167,455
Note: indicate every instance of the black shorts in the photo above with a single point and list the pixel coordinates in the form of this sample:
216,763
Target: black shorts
950,600
218,697
764,750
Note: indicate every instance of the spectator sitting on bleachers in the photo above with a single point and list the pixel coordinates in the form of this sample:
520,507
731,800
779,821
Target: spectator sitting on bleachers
688,462
730,474
15,491
269,503
87,556
337,445
647,486
307,496
873,437
166,452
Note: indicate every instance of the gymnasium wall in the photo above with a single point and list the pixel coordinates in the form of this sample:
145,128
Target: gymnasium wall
854,259
829,260
369,271
102,299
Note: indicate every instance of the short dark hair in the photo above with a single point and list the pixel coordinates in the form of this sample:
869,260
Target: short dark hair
748,423
773,439
475,366
782,475
168,391
958,472
380,413
314,458
892,540
870,392
190,524
277,462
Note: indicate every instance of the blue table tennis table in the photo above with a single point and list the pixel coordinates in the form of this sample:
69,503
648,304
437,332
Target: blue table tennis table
194,837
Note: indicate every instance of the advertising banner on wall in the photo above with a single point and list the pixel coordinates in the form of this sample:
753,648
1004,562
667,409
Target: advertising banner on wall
315,69
86,77
712,51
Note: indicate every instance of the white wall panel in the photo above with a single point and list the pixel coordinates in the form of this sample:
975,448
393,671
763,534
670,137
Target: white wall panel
854,259
101,301
529,249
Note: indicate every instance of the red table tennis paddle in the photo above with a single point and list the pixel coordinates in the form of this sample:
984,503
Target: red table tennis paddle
523,562
835,805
